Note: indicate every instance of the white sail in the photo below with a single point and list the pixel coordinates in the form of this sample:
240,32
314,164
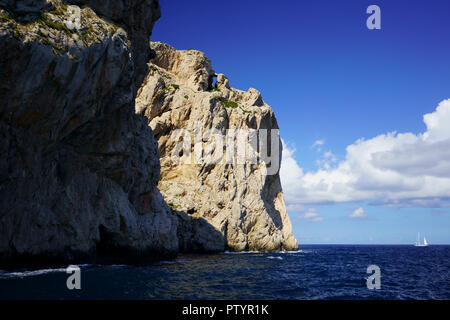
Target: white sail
418,244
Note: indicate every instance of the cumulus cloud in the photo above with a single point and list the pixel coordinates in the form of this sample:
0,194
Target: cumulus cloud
311,215
327,160
397,169
358,214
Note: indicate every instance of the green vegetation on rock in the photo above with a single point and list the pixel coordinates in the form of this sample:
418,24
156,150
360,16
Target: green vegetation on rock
229,104
244,110
44,19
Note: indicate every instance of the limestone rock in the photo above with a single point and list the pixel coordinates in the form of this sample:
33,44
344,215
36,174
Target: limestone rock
138,18
79,169
242,203
80,165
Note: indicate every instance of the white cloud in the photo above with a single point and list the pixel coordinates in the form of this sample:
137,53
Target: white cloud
329,155
397,169
327,161
318,145
291,177
358,214
311,215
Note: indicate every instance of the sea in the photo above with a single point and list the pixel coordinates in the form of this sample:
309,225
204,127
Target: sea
336,272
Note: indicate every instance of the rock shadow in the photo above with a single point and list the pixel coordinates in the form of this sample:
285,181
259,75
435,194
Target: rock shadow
197,235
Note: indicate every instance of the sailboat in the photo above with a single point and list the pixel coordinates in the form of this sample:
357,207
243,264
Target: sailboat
418,244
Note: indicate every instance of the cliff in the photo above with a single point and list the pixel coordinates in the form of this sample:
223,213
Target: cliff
240,199
80,170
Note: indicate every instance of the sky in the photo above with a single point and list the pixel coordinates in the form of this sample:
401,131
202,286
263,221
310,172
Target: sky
364,114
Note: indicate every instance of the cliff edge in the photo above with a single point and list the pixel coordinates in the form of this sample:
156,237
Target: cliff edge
78,168
240,199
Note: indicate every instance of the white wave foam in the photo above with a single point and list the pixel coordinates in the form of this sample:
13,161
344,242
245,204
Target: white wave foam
242,252
272,257
291,252
262,252
24,274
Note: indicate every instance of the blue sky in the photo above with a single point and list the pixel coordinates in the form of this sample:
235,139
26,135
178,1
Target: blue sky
331,81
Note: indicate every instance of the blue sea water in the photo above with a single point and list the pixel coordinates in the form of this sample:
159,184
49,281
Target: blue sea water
314,272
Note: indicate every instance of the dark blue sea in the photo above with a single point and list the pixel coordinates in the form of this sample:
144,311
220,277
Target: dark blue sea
314,272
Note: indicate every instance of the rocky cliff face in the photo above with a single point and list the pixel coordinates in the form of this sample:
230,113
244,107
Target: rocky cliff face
78,168
237,199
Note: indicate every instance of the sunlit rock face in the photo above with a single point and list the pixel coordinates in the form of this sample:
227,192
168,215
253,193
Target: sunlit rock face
242,203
